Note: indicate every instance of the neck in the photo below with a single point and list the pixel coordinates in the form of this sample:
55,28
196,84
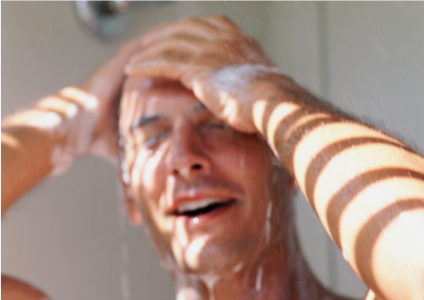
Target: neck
280,272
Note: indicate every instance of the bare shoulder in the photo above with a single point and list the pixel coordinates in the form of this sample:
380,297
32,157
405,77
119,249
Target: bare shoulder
15,289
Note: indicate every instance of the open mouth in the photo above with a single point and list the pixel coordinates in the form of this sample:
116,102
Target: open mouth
197,208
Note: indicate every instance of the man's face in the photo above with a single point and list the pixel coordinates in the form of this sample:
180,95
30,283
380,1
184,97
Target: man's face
212,197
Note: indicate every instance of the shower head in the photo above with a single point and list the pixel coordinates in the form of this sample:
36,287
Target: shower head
105,18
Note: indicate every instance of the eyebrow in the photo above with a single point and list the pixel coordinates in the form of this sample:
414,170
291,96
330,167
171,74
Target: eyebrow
145,120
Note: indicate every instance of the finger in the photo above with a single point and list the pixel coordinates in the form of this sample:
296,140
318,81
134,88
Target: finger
111,72
184,46
189,51
189,27
206,54
208,61
233,34
170,68
227,25
225,33
211,57
221,22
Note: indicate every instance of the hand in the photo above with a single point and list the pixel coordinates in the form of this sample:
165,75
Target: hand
102,90
85,115
214,59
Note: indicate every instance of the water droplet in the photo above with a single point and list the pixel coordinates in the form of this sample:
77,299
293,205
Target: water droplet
258,285
71,110
187,292
238,267
269,210
125,289
91,102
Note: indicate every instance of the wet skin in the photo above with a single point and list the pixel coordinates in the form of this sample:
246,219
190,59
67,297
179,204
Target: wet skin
177,152
213,197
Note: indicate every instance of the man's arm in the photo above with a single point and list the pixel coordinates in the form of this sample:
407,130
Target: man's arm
45,139
366,187
77,121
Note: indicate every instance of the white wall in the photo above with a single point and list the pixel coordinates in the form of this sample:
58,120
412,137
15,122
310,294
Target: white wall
376,71
64,236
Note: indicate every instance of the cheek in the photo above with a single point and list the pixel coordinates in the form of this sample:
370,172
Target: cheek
255,166
247,162
148,174
245,158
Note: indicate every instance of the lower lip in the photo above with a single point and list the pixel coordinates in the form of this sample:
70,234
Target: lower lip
208,217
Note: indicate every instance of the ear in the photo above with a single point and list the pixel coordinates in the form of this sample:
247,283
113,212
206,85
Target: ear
131,208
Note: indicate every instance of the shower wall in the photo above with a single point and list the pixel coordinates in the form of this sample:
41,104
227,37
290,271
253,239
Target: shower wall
69,236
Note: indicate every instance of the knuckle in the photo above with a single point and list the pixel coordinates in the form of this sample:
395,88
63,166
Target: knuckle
189,21
232,37
224,21
222,18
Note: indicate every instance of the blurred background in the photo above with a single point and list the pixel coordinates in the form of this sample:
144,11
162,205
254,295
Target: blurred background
69,236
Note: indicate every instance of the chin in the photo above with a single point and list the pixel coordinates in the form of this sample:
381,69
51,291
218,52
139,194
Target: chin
209,256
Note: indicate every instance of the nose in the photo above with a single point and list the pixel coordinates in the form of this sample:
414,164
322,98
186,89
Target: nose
187,154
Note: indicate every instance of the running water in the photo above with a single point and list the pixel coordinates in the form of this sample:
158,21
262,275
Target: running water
123,246
258,284
210,281
268,222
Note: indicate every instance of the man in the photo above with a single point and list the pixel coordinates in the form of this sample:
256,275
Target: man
213,139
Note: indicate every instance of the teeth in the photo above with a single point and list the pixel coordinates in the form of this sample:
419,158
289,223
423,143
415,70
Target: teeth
194,205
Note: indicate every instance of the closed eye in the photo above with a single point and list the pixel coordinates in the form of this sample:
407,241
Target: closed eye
216,125
150,142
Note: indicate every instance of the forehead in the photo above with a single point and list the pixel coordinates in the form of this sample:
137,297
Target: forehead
144,97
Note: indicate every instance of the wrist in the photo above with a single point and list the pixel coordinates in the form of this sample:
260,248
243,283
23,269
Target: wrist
80,117
68,120
272,99
90,125
281,105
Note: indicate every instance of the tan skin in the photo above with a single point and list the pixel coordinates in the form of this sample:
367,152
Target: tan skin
23,145
182,152
370,174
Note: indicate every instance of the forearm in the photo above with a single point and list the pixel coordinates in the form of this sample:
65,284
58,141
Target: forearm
77,121
26,159
43,140
366,187
360,181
